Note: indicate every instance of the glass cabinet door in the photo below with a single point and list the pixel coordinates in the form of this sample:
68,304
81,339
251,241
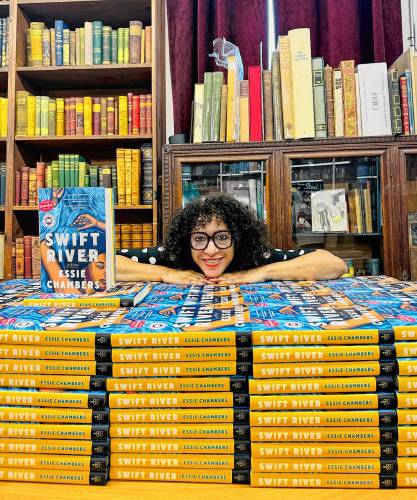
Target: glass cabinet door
245,180
336,206
411,170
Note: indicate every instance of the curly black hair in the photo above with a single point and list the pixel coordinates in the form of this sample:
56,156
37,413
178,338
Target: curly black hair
249,233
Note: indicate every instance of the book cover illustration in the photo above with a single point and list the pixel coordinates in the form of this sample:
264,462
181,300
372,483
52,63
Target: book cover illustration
20,287
329,211
76,230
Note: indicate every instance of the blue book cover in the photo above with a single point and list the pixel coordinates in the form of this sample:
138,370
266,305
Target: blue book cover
76,231
59,41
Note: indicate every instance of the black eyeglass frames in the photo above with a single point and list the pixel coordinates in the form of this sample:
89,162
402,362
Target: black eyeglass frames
200,241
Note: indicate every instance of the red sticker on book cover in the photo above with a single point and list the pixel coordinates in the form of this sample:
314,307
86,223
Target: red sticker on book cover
46,205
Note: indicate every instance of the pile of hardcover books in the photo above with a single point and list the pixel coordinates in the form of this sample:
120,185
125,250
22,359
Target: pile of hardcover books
54,416
179,406
309,428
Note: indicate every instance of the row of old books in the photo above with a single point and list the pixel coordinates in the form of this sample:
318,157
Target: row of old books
26,257
130,177
91,44
82,116
133,236
297,98
323,411
4,41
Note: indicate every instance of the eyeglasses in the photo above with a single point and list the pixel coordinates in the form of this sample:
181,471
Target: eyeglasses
200,241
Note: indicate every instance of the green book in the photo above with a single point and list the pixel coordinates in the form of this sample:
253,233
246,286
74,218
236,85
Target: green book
52,117
48,176
126,46
107,34
208,91
120,45
319,98
44,115
67,171
216,105
87,180
93,176
97,42
38,115
82,169
82,46
277,98
55,174
72,170
61,162
114,46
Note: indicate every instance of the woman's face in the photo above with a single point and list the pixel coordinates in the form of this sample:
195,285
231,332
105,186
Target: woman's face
212,261
96,271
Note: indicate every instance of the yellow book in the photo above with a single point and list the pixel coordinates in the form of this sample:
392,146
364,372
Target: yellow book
135,176
209,446
174,369
172,400
22,112
4,115
156,384
47,431
48,366
172,460
171,339
173,430
304,337
48,446
407,400
244,111
302,418
142,47
88,115
216,415
120,166
44,115
317,464
36,30
407,433
321,434
306,480
302,83
30,337
407,366
46,415
53,476
128,176
159,354
29,461
123,116
187,475
323,450
198,112
407,384
232,127
349,99
46,352
60,116
18,397
48,382
286,86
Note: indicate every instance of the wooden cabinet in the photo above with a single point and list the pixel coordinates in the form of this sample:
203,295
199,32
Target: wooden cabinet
373,182
65,81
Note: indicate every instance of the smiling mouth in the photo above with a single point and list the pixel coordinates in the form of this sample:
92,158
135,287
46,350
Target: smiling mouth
212,262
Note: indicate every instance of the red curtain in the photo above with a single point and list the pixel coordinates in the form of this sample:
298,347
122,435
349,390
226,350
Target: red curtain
363,30
192,26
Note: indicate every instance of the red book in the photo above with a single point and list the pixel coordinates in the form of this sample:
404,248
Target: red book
27,252
142,114
96,116
129,112
67,102
73,116
255,103
116,117
148,116
135,114
17,187
404,105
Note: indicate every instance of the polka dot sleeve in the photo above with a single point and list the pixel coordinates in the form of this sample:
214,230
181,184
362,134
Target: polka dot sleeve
149,255
279,255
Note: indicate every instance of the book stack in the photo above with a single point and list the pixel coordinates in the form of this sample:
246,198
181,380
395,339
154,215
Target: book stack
321,398
90,44
133,236
54,411
178,399
4,42
38,116
27,258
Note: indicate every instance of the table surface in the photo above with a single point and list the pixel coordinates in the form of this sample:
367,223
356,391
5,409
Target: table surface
157,491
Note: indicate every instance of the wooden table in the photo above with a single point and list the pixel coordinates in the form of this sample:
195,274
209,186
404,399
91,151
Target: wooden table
127,490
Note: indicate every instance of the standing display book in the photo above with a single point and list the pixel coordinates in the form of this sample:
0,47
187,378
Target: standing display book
76,230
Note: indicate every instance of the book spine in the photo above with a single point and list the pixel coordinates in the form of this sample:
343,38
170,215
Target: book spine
328,87
110,116
88,115
286,86
79,119
96,115
27,256
135,35
36,257
55,447
267,105
243,111
52,117
36,30
116,116
148,116
46,47
322,337
407,384
60,116
404,106
120,165
213,416
103,116
276,97
349,98
31,116
180,369
24,187
142,47
53,416
223,112
128,176
410,101
123,115
72,49
114,46
29,461
28,35
339,112
407,417
66,47
21,113
32,188
120,46
148,44
187,475
135,114
135,176
320,123
53,476
232,126
17,188
72,116
395,100
107,32
97,42
129,112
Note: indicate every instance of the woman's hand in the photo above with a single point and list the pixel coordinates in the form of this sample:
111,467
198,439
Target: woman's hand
178,277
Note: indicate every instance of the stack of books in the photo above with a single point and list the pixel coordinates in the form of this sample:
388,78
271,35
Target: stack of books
43,116
309,428
180,410
54,416
26,257
90,44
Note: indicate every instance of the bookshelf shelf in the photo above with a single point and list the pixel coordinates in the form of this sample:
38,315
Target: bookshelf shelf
133,207
117,140
335,233
105,76
25,208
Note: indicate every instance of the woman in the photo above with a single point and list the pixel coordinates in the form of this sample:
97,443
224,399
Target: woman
219,240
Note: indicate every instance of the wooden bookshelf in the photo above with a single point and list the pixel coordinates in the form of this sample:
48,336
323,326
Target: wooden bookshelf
62,81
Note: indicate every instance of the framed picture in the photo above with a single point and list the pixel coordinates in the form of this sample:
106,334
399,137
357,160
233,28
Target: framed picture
412,229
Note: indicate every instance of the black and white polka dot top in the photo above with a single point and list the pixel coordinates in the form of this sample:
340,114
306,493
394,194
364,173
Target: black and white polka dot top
156,255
